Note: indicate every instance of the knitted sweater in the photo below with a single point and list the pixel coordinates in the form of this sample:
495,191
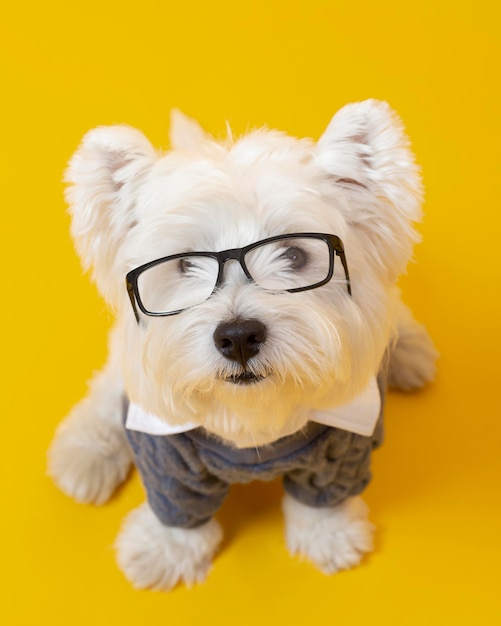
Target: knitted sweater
187,475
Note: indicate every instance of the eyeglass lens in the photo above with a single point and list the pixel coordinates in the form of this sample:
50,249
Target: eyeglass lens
289,263
178,283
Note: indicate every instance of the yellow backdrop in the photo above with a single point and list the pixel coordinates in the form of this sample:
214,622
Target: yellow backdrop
67,67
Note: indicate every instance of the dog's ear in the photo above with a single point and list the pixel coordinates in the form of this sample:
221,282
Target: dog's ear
366,152
104,177
185,133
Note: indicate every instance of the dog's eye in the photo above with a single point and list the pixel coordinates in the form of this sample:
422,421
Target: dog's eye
297,258
185,265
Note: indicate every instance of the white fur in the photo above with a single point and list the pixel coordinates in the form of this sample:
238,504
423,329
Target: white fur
90,457
185,133
413,357
334,538
155,556
131,204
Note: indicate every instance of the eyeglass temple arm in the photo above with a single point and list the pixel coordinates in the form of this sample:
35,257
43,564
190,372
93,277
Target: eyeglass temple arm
130,291
340,253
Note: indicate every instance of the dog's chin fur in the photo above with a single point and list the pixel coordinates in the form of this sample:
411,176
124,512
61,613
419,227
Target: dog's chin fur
131,204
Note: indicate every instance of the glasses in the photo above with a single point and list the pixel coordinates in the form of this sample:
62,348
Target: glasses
290,263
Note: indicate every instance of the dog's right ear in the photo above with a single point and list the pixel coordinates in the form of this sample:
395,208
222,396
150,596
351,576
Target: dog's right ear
104,177
366,152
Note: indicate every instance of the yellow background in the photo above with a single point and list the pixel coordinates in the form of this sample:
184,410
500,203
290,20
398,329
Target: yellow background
67,67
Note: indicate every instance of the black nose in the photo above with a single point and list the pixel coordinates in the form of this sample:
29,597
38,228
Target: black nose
240,340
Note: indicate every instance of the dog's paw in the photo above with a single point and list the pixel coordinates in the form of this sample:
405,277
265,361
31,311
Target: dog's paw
154,556
89,456
333,538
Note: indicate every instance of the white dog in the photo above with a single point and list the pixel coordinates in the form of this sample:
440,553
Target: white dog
258,318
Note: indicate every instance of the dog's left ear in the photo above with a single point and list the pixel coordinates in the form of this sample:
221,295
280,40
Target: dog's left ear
104,177
366,152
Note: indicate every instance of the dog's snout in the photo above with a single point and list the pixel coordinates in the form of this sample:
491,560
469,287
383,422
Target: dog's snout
240,340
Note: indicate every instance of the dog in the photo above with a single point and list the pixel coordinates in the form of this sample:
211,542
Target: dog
258,324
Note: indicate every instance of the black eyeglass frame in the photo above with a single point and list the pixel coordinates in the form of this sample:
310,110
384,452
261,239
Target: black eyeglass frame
333,242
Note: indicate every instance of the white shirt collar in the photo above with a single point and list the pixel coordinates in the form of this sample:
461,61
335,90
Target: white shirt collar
357,416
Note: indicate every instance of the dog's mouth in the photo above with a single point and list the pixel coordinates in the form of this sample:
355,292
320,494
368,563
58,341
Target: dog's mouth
244,378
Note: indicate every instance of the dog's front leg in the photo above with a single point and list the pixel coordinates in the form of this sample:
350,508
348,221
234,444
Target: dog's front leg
155,556
90,456
333,538
172,538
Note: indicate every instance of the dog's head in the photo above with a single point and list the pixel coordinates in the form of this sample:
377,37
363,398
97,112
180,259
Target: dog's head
257,334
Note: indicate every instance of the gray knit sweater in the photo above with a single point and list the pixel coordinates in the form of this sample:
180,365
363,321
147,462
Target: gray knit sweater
188,475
